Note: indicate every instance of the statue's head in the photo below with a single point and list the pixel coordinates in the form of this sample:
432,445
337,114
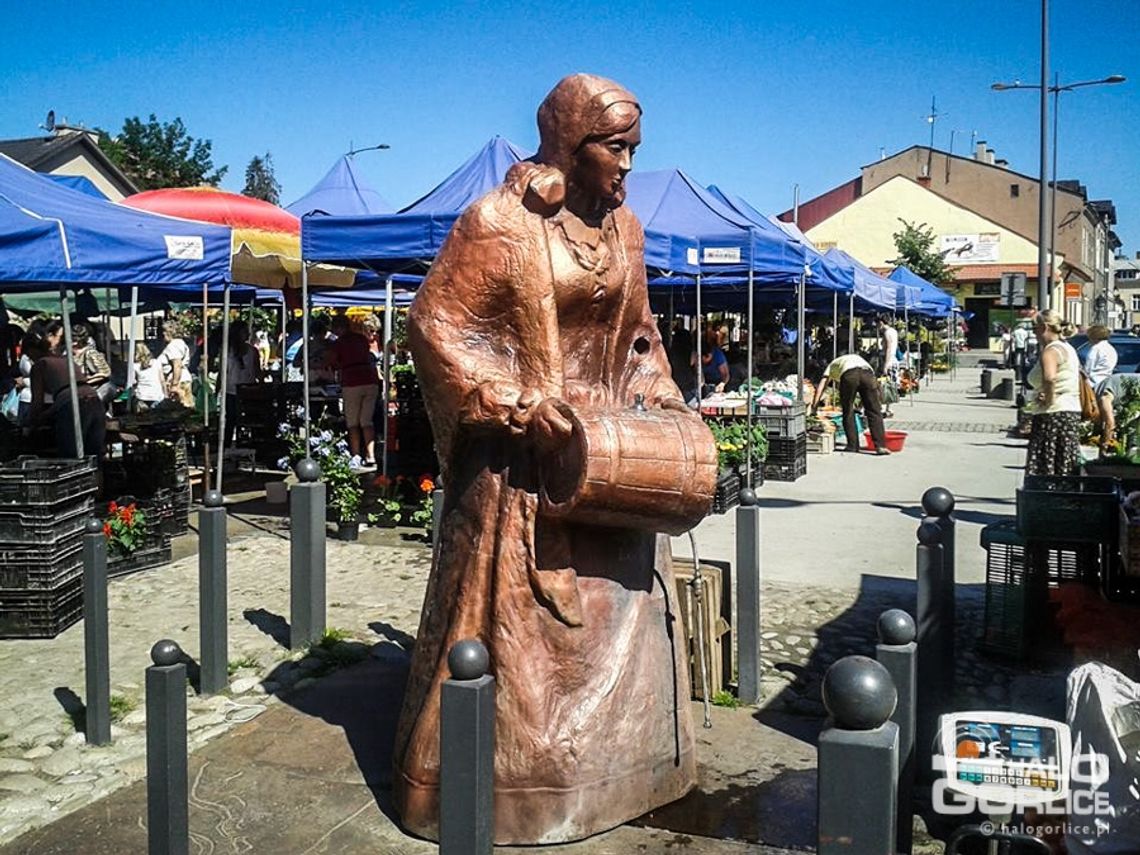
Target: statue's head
589,129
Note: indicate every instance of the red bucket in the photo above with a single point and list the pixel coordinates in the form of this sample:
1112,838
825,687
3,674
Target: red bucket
895,440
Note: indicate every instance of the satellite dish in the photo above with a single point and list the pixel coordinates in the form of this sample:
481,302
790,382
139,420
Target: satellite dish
49,122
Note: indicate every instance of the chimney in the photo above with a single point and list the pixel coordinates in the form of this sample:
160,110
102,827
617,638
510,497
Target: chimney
989,156
1002,162
1137,258
980,151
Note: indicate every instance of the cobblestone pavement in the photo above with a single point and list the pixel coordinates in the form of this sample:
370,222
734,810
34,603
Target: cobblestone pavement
374,596
947,427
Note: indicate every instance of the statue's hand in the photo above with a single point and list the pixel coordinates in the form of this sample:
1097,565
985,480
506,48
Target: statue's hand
550,429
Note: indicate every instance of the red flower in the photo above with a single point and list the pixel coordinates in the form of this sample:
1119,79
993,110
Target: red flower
382,481
113,507
426,484
106,530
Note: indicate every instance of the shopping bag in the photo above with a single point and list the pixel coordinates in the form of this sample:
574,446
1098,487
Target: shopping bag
10,405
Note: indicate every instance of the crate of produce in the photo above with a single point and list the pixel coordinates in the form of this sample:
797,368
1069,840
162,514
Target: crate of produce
790,421
786,471
1069,508
41,614
46,481
43,525
727,494
37,568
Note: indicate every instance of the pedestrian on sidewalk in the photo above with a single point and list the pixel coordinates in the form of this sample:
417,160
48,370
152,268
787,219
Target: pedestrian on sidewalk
1019,342
1100,361
853,374
1056,407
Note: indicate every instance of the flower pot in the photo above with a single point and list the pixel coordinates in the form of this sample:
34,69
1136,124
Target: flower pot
348,530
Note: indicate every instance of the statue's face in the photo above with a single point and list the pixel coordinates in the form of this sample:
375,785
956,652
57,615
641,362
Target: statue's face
601,165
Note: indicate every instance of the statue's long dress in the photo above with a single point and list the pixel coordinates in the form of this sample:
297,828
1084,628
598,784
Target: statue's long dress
582,624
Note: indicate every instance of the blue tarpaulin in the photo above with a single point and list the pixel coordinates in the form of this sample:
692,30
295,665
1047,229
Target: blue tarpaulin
411,238
870,288
77,182
51,234
925,297
341,193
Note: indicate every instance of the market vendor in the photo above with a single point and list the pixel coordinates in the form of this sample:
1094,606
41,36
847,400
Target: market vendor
50,378
91,362
1110,394
853,374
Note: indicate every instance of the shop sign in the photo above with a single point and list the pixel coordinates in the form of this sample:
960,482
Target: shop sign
722,255
981,248
1072,290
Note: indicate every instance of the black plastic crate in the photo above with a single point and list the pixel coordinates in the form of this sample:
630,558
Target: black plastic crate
1016,597
786,471
46,481
41,525
727,494
27,568
1069,509
145,558
41,614
786,449
790,421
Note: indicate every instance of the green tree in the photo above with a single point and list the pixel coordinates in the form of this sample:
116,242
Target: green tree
156,154
260,182
915,246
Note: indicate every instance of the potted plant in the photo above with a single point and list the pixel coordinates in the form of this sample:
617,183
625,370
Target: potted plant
424,513
124,528
330,450
389,506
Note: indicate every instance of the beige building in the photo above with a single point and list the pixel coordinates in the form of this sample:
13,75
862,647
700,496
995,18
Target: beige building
985,219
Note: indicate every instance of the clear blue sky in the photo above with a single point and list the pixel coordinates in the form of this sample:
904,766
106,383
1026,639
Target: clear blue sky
753,96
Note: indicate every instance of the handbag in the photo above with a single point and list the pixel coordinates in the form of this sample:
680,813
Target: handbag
1090,410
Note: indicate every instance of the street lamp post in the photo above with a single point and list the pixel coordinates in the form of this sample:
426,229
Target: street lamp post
1047,231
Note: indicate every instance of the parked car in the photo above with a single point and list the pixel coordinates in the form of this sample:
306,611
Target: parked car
1127,350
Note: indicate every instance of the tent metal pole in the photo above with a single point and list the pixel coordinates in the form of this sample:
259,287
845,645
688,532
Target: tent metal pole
700,366
909,367
834,324
749,404
72,383
386,368
284,338
305,310
132,337
204,384
223,377
801,312
851,323
669,324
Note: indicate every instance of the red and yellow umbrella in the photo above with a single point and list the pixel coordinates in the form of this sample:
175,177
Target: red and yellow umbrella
266,249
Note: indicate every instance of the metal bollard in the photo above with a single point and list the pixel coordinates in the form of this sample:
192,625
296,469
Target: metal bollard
938,503
96,645
213,625
858,760
306,556
898,653
935,675
749,668
467,753
167,780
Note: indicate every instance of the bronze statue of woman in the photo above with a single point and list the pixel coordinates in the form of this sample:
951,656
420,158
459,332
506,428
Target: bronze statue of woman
533,340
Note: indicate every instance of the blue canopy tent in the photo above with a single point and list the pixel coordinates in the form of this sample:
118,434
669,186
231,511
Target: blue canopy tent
341,193
50,234
925,297
77,182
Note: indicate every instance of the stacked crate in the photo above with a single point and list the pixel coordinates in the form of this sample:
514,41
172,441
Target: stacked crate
44,506
786,428
157,473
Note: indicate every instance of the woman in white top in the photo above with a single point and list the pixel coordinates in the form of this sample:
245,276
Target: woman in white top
1054,446
173,361
1100,361
148,378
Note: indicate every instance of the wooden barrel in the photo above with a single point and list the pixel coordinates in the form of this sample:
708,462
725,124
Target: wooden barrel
651,470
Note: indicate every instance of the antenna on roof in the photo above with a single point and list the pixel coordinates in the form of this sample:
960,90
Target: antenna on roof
49,122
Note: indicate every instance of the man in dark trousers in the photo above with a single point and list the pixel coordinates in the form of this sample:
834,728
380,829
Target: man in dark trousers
853,374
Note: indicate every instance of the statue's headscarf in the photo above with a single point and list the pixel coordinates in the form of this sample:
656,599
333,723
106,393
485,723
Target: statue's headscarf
576,110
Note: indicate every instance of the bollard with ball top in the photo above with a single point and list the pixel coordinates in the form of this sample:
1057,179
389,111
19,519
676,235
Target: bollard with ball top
898,653
938,504
467,752
167,807
935,636
858,760
306,556
748,579
213,623
96,642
